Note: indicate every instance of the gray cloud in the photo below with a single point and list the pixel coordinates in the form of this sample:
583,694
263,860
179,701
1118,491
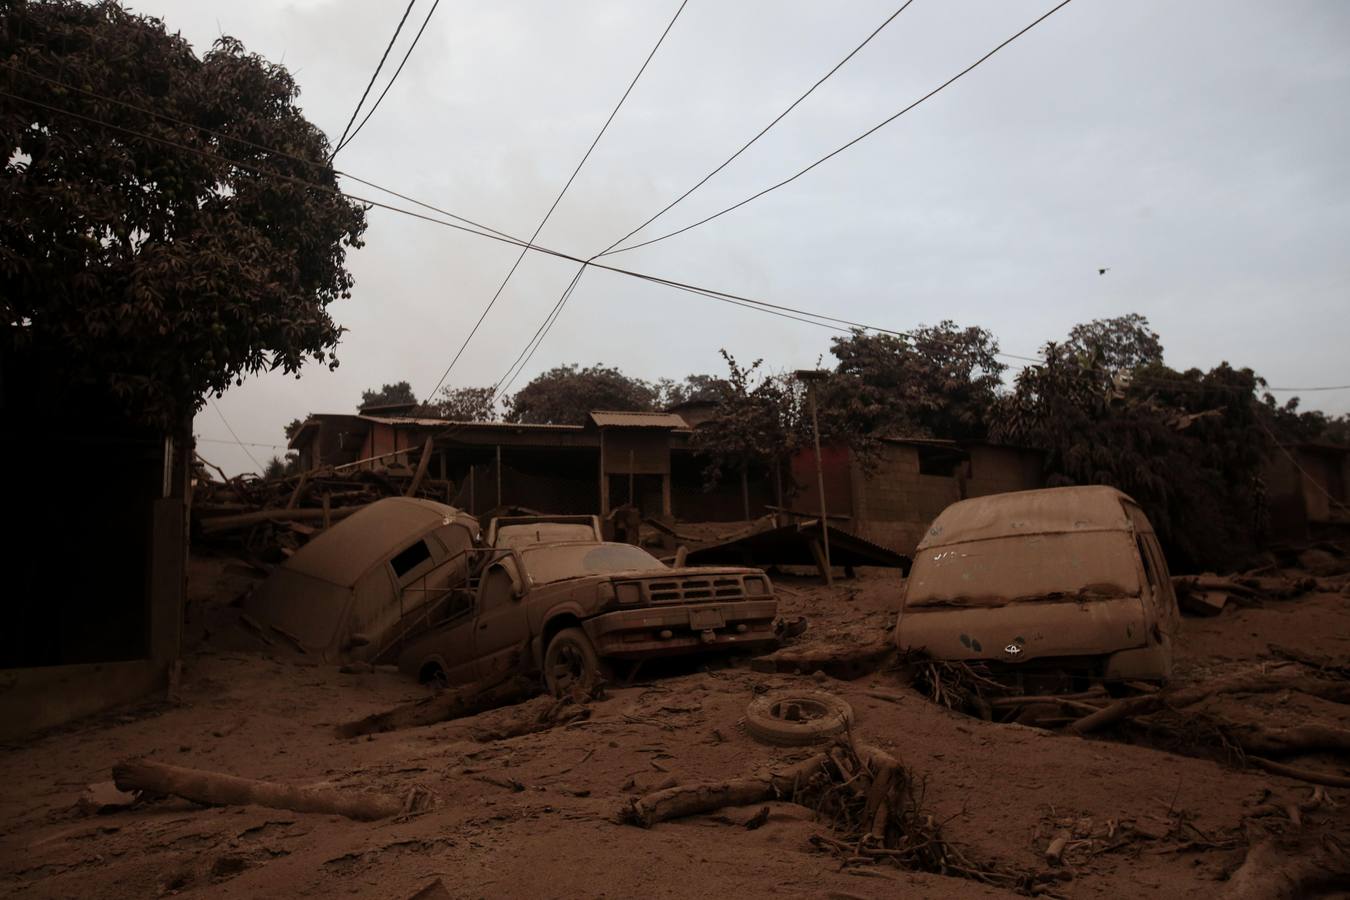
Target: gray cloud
1202,150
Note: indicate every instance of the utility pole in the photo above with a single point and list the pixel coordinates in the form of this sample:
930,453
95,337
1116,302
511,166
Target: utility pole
812,377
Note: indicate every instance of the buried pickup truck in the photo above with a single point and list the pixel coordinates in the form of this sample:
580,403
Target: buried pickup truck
573,608
1047,590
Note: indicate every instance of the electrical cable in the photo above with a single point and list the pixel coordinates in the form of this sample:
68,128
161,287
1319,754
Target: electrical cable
411,47
370,84
842,148
765,130
492,234
544,221
247,451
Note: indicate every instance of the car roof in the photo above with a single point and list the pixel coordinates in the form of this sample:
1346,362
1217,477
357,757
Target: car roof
1061,510
351,547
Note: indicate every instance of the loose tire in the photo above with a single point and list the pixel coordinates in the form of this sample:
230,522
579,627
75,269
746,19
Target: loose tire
790,718
570,663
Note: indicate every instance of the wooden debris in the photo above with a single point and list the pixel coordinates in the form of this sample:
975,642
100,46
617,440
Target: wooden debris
1308,775
481,696
216,789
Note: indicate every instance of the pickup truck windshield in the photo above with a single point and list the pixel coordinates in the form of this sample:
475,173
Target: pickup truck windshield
556,563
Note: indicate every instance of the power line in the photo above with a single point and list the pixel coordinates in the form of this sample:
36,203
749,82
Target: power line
746,146
557,309
207,440
248,452
370,84
542,222
860,137
783,311
411,47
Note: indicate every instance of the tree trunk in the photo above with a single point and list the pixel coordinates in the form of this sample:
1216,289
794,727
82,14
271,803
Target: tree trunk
694,799
481,696
216,789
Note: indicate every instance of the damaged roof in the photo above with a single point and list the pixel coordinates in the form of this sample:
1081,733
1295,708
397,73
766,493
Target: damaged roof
617,419
1048,511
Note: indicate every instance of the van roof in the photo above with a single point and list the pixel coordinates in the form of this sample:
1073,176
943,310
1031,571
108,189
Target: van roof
1047,511
345,552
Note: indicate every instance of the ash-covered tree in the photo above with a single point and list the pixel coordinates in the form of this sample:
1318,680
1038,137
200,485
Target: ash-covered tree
938,381
1186,445
565,395
150,241
388,395
1289,424
1119,344
466,404
756,425
700,388
293,428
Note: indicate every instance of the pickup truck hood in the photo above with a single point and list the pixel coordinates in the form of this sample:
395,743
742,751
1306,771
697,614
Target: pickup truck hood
1036,628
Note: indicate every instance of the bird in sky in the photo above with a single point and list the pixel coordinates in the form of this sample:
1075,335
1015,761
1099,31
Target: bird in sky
1103,271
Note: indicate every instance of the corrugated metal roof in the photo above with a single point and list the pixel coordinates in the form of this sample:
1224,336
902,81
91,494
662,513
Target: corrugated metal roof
615,419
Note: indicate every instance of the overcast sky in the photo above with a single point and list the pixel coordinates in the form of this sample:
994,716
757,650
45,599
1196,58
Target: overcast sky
1201,150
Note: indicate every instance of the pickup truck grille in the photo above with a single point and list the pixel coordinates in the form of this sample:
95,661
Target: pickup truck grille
694,589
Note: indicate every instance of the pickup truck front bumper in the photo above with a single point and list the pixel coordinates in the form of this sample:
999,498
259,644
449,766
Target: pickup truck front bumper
650,631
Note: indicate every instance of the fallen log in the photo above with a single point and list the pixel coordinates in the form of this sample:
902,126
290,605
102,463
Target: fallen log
1311,738
1243,682
1308,775
1273,873
215,789
694,799
490,693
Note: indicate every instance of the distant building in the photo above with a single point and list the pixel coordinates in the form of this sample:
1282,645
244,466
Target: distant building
647,459
1306,490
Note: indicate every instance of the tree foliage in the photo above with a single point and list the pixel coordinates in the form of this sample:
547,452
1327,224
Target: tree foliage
1188,446
466,404
565,395
158,274
756,423
388,395
1119,344
709,388
939,381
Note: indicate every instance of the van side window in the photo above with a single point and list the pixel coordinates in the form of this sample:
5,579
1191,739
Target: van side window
1148,562
410,558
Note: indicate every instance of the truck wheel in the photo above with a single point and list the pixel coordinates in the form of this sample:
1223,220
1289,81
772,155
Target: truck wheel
797,717
571,663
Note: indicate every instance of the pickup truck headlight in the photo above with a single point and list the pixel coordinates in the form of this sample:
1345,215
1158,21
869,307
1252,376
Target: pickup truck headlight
755,586
629,594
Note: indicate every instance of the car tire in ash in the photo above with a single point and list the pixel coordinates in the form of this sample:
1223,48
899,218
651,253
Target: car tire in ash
570,662
790,718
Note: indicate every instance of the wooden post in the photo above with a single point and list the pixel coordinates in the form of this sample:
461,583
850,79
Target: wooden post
473,481
299,489
632,501
745,489
820,484
421,473
665,496
499,475
604,479
327,511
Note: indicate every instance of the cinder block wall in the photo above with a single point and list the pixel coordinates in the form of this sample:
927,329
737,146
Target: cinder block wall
894,504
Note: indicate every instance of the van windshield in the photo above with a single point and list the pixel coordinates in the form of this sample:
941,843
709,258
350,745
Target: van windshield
1064,566
559,562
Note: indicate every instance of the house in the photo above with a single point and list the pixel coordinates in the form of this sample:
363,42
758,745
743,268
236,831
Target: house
648,459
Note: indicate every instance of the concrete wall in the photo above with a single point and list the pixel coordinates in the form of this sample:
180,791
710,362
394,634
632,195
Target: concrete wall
997,470
893,505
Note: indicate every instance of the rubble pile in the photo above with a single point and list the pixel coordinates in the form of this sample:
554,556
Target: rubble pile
267,520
